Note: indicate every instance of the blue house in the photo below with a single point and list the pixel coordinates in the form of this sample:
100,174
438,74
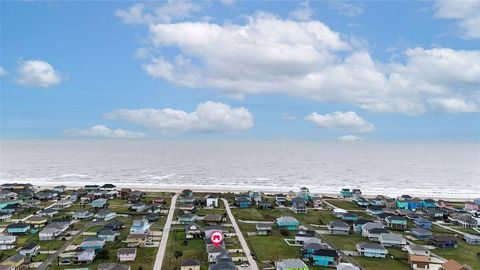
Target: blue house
18,228
444,241
346,193
371,250
325,257
421,233
99,203
244,203
139,226
429,203
477,201
415,204
423,223
287,222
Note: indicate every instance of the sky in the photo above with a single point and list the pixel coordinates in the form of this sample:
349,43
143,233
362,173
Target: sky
300,70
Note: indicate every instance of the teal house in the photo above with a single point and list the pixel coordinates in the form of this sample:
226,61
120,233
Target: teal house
325,257
95,243
352,217
429,203
17,228
346,193
287,222
402,203
4,204
304,193
396,222
99,203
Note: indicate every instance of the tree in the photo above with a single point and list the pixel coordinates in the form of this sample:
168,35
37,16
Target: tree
178,254
284,232
103,254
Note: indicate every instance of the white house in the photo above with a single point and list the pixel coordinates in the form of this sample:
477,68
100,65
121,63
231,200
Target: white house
52,230
212,200
7,242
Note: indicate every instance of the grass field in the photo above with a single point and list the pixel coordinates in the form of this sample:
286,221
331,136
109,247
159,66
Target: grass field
464,253
347,205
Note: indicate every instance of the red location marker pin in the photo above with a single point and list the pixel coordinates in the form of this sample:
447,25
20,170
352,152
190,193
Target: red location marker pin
217,238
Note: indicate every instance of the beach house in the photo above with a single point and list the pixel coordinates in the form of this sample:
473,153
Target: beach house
107,234
350,217
139,226
193,231
85,256
126,254
325,257
303,235
19,228
392,240
7,242
263,228
287,222
338,227
396,222
280,199
95,243
105,215
30,250
52,230
99,203
472,239
421,233
422,222
212,200
299,205
444,241
345,193
371,250
418,262
13,262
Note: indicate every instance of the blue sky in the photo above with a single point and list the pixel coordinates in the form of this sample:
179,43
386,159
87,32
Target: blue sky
329,70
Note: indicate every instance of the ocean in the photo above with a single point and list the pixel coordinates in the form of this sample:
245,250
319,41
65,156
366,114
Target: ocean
450,170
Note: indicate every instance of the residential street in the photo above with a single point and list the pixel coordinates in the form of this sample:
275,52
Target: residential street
166,231
251,261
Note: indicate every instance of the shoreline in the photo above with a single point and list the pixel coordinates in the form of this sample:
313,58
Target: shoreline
227,189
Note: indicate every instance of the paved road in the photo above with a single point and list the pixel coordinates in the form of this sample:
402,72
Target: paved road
59,251
448,228
166,231
251,261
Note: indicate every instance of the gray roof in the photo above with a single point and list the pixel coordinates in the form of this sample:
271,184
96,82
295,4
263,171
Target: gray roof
371,225
292,263
112,266
338,223
286,219
190,262
420,231
126,251
365,245
392,237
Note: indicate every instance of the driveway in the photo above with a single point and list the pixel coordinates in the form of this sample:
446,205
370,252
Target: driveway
251,261
166,230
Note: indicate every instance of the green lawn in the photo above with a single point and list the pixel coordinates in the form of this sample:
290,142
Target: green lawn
464,253
347,205
345,242
272,247
195,249
381,264
319,217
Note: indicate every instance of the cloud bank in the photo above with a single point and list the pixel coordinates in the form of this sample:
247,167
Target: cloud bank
101,131
208,117
308,59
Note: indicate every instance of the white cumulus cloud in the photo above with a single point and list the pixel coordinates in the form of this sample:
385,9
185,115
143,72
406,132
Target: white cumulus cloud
341,120
37,73
349,138
308,59
465,12
101,131
169,11
208,117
